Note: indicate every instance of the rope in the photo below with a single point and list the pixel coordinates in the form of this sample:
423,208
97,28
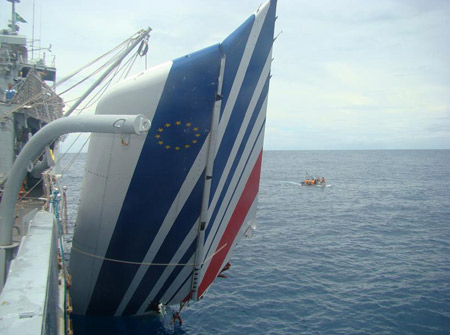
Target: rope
88,104
143,263
130,66
96,97
121,45
21,198
100,91
90,75
56,163
74,158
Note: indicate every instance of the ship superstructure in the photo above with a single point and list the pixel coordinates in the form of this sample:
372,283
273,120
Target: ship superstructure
32,284
27,101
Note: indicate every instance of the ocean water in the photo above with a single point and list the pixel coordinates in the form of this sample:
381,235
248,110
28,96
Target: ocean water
368,254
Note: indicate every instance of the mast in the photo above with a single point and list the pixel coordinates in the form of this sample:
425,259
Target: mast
143,34
13,15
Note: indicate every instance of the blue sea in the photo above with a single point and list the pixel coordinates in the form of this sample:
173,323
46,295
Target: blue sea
368,254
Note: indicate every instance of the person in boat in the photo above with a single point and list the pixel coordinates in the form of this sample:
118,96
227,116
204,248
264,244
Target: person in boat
323,180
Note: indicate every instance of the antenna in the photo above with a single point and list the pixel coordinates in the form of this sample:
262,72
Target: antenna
40,29
32,32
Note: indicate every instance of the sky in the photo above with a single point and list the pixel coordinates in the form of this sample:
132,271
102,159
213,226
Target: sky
346,75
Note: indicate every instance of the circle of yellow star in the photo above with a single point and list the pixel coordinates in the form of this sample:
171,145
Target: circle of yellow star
169,145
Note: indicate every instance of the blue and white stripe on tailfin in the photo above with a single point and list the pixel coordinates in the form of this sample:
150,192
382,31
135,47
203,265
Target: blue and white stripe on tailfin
138,228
